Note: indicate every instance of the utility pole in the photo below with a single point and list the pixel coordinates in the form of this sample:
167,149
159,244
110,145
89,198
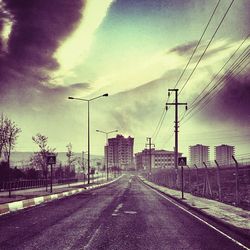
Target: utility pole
88,146
149,139
176,104
51,177
83,166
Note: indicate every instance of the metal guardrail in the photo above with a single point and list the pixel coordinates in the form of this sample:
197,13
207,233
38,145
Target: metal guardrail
26,184
23,184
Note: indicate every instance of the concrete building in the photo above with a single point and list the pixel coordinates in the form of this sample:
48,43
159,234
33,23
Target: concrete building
223,154
159,159
198,154
120,151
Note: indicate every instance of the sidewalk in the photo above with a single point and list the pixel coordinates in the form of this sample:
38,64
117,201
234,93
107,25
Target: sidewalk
17,195
222,212
32,197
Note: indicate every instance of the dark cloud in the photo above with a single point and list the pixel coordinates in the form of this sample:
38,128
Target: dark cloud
211,51
232,104
184,49
188,48
39,26
80,86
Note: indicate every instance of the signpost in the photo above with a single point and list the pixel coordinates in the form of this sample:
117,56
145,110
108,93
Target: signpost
50,160
182,161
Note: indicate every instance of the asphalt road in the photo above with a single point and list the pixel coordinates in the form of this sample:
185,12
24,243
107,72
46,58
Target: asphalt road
124,215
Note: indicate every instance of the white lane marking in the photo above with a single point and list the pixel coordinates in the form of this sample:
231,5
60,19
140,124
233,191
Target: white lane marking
198,218
118,207
114,214
130,212
92,238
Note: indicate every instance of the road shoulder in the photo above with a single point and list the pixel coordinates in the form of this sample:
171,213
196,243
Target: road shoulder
236,218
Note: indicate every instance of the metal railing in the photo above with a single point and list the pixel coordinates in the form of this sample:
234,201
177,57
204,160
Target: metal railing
228,184
27,184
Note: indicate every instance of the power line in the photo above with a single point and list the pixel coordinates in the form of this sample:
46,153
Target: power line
159,123
158,127
236,64
205,103
211,97
229,59
197,45
168,138
210,41
176,103
246,136
212,92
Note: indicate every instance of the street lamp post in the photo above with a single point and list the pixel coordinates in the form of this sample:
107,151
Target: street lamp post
107,133
88,101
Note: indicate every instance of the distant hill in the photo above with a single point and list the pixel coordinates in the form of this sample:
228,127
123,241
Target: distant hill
22,158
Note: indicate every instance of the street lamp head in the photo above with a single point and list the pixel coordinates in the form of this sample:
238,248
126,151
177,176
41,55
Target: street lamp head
105,94
70,97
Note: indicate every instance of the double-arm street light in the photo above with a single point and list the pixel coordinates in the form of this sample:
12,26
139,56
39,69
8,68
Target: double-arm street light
88,101
107,161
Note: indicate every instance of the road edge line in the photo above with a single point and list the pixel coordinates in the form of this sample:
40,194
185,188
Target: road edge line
170,199
14,206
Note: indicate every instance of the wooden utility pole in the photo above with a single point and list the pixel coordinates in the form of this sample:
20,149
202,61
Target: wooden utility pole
176,104
149,139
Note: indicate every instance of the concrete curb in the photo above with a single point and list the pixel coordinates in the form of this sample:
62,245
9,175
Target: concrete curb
241,231
18,205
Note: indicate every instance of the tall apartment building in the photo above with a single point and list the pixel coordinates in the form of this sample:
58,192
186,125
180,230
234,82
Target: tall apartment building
159,159
120,151
198,154
223,154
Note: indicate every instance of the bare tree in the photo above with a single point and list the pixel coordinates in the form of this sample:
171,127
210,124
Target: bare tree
9,134
70,156
38,160
1,134
81,163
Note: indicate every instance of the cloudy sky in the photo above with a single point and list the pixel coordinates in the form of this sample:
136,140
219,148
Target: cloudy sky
135,51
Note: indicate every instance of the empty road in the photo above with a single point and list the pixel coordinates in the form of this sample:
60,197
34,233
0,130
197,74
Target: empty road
124,215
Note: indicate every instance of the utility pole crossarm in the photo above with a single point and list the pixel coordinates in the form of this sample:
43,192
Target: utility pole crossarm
176,104
179,103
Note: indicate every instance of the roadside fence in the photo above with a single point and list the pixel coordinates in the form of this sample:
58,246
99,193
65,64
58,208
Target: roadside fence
26,184
228,184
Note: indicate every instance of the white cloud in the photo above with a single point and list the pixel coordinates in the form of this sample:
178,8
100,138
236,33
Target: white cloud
76,48
7,25
138,72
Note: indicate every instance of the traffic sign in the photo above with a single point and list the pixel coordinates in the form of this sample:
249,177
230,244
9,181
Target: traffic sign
51,159
182,161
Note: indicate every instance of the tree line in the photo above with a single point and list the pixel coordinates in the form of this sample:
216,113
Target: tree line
9,133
